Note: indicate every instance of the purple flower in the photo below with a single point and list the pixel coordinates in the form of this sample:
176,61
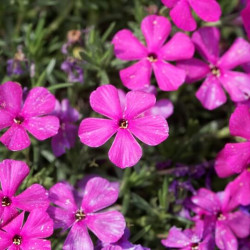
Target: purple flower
217,71
16,236
235,157
31,116
207,10
98,194
12,174
245,18
67,133
125,121
155,29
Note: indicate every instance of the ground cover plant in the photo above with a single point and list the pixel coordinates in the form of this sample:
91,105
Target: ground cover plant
125,124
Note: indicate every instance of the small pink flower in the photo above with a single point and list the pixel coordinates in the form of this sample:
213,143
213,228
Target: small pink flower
31,116
217,71
125,120
207,10
12,174
69,212
155,29
16,236
245,14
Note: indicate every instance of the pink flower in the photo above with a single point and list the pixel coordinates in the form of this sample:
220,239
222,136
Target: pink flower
67,133
16,236
245,14
12,174
30,116
235,157
155,29
98,194
207,10
217,71
125,120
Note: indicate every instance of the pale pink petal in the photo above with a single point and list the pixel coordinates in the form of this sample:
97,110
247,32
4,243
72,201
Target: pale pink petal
207,10
15,138
152,130
35,196
108,226
38,225
5,240
137,76
38,102
168,76
37,244
61,194
224,237
42,127
155,29
105,100
246,20
169,3
210,94
163,107
237,85
98,194
195,69
12,173
15,225
6,119
232,159
11,97
137,102
182,16
180,47
238,54
125,150
78,238
136,50
94,132
207,40
239,123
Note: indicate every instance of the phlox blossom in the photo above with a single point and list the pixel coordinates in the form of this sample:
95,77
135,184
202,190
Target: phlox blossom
154,56
245,14
126,120
31,116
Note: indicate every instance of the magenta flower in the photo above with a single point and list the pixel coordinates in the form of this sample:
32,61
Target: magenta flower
126,121
12,174
217,71
245,18
207,10
16,236
67,133
31,116
189,239
235,157
155,29
219,209
98,194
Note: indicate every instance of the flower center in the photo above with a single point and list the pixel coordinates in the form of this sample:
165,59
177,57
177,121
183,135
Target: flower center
6,201
123,123
18,120
221,216
17,240
152,57
215,70
80,215
195,246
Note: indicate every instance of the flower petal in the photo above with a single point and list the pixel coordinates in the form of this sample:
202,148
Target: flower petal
207,10
125,150
42,127
7,215
108,226
78,238
232,159
12,173
169,3
163,107
168,76
105,100
94,132
180,47
38,102
245,18
68,114
15,138
98,194
150,129
15,225
238,54
38,244
6,119
5,240
210,94
136,50
155,29
137,76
